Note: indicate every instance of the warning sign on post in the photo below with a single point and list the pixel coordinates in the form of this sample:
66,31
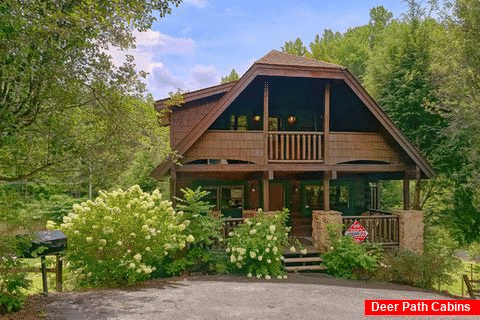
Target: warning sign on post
357,231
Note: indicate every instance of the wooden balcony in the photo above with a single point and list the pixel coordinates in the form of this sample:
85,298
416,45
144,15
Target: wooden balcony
295,147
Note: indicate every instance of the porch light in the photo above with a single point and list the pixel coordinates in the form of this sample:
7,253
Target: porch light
291,120
257,118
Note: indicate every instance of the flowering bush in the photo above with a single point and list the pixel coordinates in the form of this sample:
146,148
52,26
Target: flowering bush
121,237
256,246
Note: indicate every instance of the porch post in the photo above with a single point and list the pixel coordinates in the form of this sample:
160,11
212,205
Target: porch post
265,191
406,193
326,192
265,122
326,122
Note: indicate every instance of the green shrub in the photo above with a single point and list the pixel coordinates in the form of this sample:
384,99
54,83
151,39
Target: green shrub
121,237
348,259
431,269
199,255
256,246
474,251
11,283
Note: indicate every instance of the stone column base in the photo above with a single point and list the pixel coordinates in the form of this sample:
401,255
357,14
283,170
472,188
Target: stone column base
411,228
320,221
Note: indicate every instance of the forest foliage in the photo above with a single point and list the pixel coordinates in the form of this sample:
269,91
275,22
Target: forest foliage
423,68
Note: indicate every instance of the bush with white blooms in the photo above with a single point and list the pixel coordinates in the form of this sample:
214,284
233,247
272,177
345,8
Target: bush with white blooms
256,246
121,237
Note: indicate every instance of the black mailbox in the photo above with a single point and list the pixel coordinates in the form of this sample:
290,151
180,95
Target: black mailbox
50,242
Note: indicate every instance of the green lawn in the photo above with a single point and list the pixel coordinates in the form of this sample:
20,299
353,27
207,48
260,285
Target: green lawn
456,287
36,277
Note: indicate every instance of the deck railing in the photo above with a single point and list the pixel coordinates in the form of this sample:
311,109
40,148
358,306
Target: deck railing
297,146
381,228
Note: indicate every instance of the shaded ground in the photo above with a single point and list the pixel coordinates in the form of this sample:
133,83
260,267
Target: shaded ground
302,296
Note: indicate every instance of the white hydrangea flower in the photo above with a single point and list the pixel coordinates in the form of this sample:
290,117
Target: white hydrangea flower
145,228
269,237
148,249
228,249
147,237
275,249
292,249
269,261
102,242
119,243
267,277
275,238
260,258
240,258
249,275
76,232
304,251
231,234
190,238
279,277
239,265
89,239
285,277
253,231
100,248
252,254
137,257
50,225
267,250
259,224
272,228
133,235
259,276
242,251
181,227
233,259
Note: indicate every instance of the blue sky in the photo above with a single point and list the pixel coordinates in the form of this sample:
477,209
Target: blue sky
202,40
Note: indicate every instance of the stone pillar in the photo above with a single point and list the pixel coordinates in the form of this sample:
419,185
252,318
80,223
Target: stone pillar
320,221
411,228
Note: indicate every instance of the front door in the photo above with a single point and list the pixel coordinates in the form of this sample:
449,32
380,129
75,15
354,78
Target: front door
276,198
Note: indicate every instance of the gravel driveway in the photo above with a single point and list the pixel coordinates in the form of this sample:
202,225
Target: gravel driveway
302,296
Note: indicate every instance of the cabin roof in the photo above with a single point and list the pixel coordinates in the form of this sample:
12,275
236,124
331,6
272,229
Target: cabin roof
277,63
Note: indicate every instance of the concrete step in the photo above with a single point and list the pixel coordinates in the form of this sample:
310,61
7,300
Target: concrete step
306,268
302,260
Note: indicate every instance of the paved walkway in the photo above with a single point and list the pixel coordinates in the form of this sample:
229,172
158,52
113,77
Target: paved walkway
302,296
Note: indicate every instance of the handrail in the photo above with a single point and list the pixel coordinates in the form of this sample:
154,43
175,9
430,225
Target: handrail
382,229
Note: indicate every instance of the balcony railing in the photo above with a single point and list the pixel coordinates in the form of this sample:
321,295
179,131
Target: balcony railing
383,229
295,146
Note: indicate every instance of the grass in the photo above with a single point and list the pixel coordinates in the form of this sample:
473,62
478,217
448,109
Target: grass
456,287
36,277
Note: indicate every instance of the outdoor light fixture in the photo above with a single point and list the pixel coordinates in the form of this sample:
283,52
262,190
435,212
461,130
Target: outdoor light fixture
257,118
291,120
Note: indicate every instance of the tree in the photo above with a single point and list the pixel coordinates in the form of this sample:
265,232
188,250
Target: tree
233,76
61,98
295,47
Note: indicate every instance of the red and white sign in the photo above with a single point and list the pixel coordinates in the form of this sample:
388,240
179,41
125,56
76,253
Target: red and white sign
357,231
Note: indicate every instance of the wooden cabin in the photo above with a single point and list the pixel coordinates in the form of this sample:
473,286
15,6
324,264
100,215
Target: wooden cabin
292,132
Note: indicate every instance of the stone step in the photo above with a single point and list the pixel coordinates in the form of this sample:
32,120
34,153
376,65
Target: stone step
306,268
303,259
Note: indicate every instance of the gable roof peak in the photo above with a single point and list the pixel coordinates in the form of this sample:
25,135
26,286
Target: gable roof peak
276,57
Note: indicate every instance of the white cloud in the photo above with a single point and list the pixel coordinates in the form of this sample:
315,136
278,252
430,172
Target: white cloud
197,3
203,76
150,46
